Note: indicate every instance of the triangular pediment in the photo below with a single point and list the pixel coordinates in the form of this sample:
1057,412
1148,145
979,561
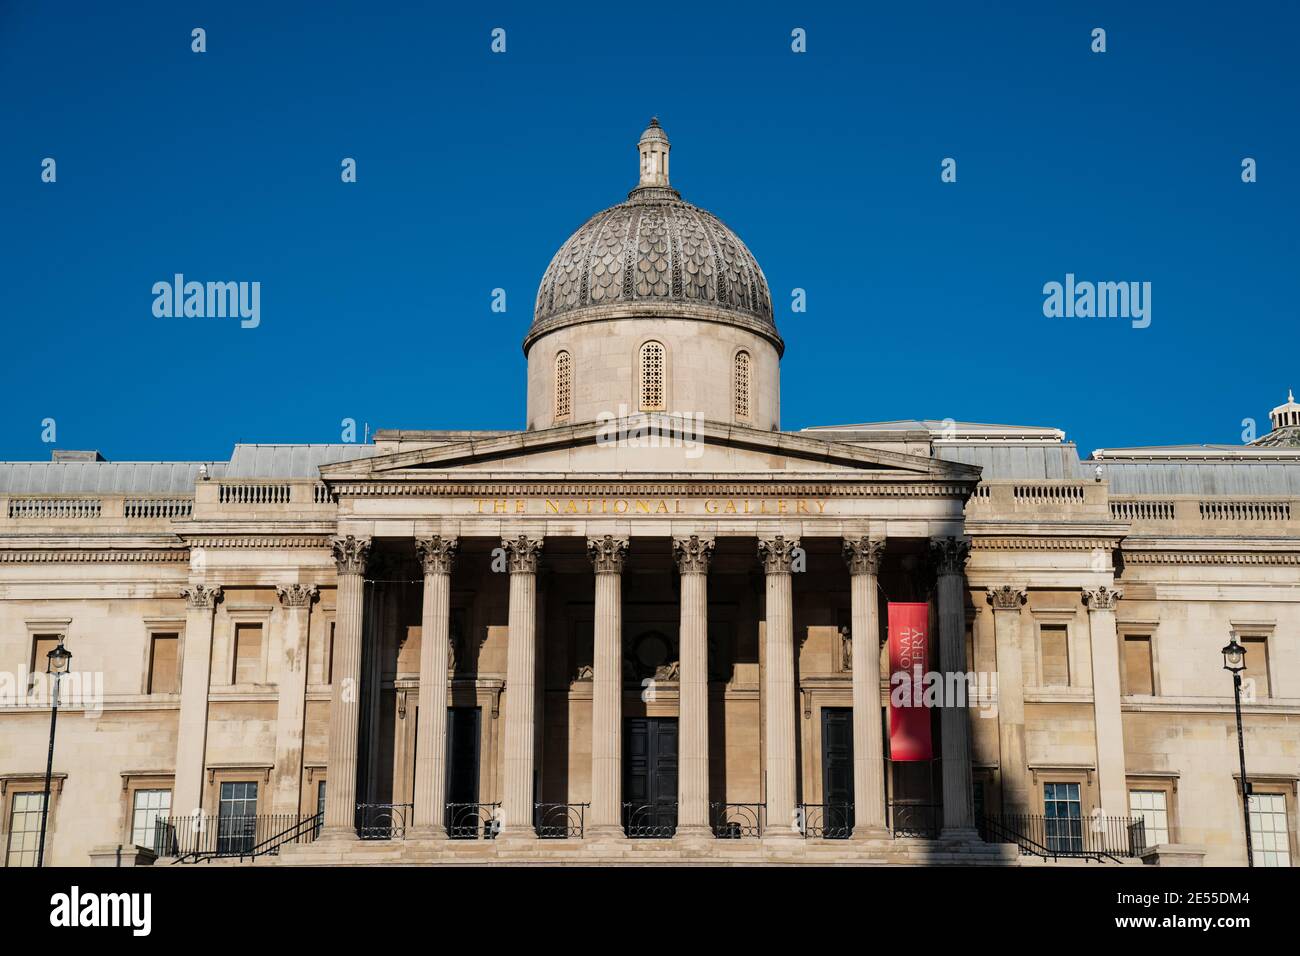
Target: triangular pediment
594,449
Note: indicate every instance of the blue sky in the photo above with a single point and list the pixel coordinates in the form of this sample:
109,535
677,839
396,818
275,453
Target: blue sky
924,298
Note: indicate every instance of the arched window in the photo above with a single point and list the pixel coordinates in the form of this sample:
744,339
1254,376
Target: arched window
740,386
563,385
652,377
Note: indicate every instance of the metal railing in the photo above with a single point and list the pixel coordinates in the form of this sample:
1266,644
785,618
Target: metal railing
648,821
560,821
735,821
829,821
922,820
473,821
1050,837
383,821
193,838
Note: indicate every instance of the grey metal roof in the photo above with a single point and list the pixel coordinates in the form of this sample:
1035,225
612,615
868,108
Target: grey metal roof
1202,478
1013,460
103,477
291,461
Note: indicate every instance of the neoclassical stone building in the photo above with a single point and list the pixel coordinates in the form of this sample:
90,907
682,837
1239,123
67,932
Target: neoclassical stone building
652,624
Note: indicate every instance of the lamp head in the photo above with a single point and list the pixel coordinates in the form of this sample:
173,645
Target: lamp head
1234,655
59,659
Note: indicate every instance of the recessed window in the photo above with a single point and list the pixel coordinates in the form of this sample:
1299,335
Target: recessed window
42,644
741,385
1151,807
1054,648
1270,841
148,807
653,374
1139,676
237,817
248,653
1063,810
24,829
1256,664
563,385
162,665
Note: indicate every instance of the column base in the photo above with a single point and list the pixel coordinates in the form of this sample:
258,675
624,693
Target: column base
525,834
864,832
338,835
693,833
783,837
434,831
604,832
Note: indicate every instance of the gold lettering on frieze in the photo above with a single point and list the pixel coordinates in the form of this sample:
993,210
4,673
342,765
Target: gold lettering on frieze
755,507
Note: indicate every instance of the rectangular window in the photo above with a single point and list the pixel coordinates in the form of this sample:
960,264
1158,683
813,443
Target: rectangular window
24,829
148,807
1063,827
162,663
1054,645
1150,807
1256,664
248,653
42,644
1139,676
237,817
1270,840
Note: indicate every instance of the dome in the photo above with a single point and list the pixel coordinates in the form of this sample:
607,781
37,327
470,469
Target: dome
654,255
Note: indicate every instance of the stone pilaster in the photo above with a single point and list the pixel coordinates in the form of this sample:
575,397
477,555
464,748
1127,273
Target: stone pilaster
196,675
437,557
779,688
692,556
1107,722
607,554
949,556
522,555
295,622
863,556
1006,602
350,555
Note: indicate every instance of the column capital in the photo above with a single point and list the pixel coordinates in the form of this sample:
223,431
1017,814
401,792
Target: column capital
297,595
201,597
863,555
1007,597
693,554
350,553
949,554
777,553
437,554
523,553
1102,598
607,553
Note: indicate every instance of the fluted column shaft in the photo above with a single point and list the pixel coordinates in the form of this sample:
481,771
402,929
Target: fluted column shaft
437,557
863,557
779,688
958,813
350,554
692,555
196,676
605,818
291,685
1107,721
521,688
1012,760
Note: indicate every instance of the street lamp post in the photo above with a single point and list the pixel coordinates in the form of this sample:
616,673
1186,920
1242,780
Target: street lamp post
1234,661
56,667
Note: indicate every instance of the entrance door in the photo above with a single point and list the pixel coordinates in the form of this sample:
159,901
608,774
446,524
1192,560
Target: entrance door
837,773
650,776
463,816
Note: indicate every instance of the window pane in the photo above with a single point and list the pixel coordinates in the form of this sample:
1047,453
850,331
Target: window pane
24,829
1150,807
237,817
1064,812
1269,837
1056,656
149,806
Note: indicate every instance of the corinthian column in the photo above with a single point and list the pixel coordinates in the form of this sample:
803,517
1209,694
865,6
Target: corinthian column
295,602
1012,764
1107,722
196,674
607,556
437,555
692,555
958,814
863,556
779,688
350,554
521,687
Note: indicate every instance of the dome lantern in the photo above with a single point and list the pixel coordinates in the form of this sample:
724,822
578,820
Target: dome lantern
653,148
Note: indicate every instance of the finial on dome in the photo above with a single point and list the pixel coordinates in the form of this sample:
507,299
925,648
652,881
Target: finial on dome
653,148
1290,396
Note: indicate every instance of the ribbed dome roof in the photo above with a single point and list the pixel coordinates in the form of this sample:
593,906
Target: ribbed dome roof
654,255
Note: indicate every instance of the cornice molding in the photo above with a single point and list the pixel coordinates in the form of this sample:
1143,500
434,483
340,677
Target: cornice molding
260,541
1037,543
885,488
95,556
1212,558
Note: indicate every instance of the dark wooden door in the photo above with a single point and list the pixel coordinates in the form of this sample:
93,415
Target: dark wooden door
837,771
650,776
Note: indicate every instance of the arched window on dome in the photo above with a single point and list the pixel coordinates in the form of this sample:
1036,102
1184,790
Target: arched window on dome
563,385
654,372
740,386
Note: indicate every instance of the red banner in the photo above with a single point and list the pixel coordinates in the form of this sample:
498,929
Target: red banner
909,655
